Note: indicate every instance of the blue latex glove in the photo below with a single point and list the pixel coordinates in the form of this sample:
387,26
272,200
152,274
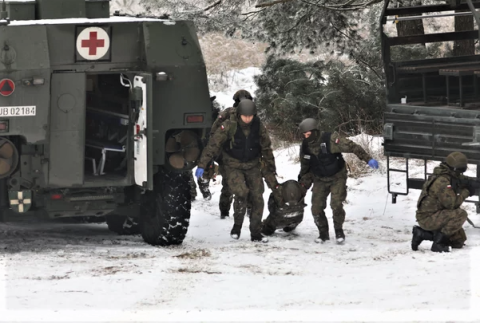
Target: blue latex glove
373,163
199,172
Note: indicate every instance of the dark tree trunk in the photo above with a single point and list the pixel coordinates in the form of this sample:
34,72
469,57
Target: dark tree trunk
464,47
410,27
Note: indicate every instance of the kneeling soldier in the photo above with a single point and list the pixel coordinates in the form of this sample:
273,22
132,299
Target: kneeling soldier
438,208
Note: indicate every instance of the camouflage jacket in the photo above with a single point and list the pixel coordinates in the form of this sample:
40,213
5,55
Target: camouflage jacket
224,132
440,192
227,114
338,144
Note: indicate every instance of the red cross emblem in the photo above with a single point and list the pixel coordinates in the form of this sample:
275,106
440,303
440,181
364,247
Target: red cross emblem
93,43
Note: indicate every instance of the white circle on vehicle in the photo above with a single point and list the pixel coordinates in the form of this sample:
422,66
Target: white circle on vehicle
93,43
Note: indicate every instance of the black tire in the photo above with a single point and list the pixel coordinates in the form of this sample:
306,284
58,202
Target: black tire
122,225
165,212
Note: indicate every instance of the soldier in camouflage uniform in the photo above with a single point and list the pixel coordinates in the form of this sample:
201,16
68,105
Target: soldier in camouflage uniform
438,207
243,140
226,195
323,165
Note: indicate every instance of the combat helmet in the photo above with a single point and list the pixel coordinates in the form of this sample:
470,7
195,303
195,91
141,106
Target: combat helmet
457,161
291,191
241,95
247,108
308,124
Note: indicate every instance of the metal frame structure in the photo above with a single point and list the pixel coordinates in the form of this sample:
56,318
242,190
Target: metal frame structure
440,116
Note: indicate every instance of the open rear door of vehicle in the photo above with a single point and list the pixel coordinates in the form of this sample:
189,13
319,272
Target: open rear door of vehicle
143,138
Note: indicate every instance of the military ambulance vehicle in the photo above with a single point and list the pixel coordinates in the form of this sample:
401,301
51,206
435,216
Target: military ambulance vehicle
433,105
100,116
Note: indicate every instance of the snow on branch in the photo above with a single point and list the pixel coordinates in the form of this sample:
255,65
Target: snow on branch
349,5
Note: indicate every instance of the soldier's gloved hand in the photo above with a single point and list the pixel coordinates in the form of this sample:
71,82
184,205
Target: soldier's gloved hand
277,195
373,163
199,172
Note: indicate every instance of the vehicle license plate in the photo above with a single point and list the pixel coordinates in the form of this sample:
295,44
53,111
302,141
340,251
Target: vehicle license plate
23,111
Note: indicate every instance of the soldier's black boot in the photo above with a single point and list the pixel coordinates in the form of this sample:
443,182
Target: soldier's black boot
259,238
440,242
457,245
268,230
324,236
207,195
340,236
418,235
322,224
224,214
236,230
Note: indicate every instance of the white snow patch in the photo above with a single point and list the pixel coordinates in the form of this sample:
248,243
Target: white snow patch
112,19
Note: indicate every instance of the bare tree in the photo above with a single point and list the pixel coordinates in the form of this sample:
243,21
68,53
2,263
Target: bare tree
464,47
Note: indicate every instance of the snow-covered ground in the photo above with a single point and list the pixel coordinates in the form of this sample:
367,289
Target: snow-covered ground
60,272
73,272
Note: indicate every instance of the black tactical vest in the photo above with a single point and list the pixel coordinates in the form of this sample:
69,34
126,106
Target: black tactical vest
245,148
325,164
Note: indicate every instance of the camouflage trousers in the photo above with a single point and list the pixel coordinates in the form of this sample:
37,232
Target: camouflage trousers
226,196
242,183
337,187
449,222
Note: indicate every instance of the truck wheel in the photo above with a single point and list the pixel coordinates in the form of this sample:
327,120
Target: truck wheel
123,225
166,210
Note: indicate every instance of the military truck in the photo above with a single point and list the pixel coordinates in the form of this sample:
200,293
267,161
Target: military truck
433,105
100,115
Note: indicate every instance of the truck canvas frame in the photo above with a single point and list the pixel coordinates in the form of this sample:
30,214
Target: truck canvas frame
433,105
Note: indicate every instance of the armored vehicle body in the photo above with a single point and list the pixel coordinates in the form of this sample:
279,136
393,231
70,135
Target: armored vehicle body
100,115
433,105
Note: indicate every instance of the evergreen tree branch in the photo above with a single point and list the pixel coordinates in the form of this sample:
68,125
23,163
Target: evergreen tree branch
252,12
348,6
213,5
270,4
355,57
367,65
296,24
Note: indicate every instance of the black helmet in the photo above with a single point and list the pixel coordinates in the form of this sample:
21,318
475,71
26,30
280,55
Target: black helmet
457,161
246,108
291,192
308,124
241,95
